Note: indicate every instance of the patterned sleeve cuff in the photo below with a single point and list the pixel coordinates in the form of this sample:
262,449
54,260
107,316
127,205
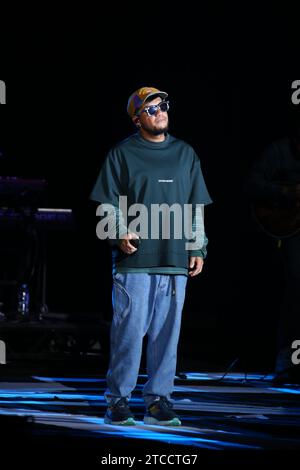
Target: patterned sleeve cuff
201,253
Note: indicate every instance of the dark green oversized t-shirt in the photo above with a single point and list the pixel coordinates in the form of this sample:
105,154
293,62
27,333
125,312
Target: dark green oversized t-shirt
148,173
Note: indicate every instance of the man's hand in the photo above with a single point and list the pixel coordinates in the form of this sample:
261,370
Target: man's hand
125,245
196,265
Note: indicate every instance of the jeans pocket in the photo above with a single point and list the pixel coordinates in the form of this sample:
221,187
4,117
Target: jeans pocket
121,301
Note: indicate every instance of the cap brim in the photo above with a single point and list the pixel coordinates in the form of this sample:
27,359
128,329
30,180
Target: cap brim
162,94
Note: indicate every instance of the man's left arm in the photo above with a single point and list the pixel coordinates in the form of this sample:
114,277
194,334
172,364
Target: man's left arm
196,259
199,195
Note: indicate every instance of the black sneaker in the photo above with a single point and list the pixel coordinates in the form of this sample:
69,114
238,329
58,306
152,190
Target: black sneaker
119,414
160,412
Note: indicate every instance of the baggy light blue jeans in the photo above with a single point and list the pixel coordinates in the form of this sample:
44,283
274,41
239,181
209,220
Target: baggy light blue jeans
144,304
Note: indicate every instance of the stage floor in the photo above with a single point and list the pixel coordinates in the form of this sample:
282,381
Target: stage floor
229,420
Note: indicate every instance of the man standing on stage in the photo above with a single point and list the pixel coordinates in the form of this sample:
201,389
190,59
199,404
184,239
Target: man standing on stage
150,169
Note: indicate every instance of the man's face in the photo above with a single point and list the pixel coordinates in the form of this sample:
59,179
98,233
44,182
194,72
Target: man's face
156,124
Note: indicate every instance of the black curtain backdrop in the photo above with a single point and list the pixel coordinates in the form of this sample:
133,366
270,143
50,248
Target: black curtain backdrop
228,74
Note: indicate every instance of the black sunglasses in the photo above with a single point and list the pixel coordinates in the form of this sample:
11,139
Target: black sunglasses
152,110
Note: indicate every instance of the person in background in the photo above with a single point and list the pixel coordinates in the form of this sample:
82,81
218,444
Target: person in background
274,185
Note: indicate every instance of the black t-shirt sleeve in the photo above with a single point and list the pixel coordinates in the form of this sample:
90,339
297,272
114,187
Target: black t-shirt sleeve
199,193
111,180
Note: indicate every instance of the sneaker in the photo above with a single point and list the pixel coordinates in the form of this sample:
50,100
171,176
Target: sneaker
160,412
119,414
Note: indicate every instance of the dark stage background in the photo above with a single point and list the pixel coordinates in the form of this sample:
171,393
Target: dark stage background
229,84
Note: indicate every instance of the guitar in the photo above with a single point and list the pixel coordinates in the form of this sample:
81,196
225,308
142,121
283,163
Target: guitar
280,220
